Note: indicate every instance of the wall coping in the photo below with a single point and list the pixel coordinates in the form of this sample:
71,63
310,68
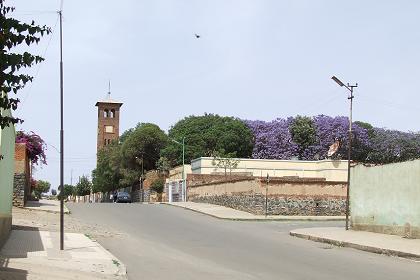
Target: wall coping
221,182
261,181
273,160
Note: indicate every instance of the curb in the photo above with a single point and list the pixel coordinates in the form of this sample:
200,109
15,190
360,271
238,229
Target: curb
122,270
366,248
66,210
284,218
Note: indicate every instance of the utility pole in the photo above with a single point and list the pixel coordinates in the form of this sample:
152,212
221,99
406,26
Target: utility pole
142,177
61,135
350,88
266,195
184,186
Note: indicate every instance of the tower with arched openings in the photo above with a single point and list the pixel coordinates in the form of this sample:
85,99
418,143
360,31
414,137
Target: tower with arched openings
108,121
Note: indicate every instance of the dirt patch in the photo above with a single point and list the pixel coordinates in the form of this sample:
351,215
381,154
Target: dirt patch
25,219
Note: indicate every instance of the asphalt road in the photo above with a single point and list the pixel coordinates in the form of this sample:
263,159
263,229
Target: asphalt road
166,242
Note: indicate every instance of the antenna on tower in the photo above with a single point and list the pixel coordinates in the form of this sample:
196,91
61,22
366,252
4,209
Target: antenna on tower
109,89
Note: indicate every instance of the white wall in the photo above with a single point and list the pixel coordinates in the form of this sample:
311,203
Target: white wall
332,170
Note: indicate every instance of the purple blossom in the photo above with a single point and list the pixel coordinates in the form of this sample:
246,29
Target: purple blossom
35,146
273,140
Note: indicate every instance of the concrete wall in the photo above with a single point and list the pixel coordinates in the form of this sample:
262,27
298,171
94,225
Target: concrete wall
7,150
331,170
176,173
286,196
386,198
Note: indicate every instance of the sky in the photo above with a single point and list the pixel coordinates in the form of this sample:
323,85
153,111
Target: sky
255,59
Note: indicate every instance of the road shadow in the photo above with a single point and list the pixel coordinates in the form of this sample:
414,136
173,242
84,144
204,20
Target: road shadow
38,204
8,273
21,242
20,227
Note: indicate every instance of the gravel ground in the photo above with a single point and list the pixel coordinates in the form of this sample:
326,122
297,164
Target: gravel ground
25,219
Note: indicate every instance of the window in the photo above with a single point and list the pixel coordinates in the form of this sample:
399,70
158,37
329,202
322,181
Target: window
112,113
109,129
106,113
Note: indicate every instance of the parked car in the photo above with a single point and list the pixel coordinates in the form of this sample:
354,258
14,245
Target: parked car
123,197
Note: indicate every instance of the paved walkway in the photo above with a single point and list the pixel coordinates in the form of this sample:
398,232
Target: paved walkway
363,240
226,213
46,205
36,255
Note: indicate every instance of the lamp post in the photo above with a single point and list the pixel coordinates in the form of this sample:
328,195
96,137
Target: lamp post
184,187
350,97
60,13
266,195
141,177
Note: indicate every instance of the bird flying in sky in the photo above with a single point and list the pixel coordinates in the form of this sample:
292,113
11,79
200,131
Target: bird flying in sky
197,36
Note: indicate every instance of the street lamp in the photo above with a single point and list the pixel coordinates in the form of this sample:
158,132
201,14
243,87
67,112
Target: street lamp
141,177
350,97
184,187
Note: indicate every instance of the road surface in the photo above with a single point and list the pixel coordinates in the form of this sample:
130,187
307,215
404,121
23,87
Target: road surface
166,242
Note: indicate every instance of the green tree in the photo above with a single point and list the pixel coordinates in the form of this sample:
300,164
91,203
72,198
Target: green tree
303,133
141,150
83,187
69,190
163,165
207,134
41,187
158,185
227,161
13,34
106,176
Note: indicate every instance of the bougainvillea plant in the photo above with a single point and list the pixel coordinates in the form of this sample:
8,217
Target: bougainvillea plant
35,146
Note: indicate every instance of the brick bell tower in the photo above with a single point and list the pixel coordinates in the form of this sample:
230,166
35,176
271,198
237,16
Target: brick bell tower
108,120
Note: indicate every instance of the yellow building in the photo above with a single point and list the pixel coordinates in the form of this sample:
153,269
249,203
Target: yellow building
331,170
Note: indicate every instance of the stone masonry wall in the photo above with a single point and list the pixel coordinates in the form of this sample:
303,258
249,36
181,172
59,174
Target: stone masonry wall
19,190
285,196
288,206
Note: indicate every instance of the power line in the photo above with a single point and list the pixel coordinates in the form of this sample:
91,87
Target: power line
39,66
389,103
33,13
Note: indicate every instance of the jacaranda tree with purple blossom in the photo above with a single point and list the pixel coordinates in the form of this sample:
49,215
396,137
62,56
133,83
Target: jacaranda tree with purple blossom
389,146
35,146
279,139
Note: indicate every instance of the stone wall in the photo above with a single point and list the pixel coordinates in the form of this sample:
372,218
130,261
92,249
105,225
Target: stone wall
285,196
200,179
19,186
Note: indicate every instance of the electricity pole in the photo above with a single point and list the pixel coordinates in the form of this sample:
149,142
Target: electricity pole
350,97
61,136
266,195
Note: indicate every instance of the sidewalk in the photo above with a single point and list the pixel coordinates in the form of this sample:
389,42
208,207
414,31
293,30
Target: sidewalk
226,213
36,255
363,240
46,205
